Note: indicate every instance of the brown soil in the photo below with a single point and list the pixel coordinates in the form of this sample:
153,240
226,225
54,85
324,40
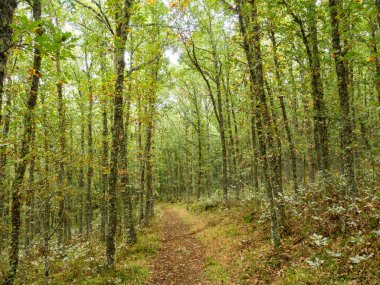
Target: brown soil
180,260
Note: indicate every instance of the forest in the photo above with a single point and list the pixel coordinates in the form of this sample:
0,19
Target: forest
189,142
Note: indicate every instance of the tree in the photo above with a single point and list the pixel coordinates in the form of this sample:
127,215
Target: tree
122,19
25,149
344,99
7,10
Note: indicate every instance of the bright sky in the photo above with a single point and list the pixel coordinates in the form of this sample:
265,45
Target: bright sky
173,56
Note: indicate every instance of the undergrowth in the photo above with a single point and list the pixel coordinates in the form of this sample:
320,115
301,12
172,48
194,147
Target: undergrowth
82,262
327,238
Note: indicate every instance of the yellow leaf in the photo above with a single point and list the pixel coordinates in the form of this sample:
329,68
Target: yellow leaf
371,59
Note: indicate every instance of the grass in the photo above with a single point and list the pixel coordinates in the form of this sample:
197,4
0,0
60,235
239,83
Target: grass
82,262
215,272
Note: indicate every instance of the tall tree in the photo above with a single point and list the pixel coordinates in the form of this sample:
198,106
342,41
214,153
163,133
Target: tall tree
7,9
344,97
122,19
265,132
310,41
25,148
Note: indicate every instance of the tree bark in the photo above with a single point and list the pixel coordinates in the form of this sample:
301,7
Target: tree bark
81,170
62,145
122,24
199,146
3,162
24,152
151,101
148,166
265,133
30,193
187,166
249,56
141,157
46,211
344,99
7,9
104,175
90,169
129,223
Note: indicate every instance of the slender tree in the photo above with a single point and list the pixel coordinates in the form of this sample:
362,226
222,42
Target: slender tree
344,97
122,23
24,151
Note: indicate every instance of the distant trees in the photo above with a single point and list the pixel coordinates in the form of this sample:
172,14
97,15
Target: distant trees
280,74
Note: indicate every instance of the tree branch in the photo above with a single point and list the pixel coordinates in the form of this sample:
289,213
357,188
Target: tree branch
98,15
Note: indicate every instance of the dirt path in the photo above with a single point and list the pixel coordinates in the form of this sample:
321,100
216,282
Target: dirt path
180,260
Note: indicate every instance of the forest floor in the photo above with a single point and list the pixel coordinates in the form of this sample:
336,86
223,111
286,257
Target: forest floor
218,245
181,257
230,246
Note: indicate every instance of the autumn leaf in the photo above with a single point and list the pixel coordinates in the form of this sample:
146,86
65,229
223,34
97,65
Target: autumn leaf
32,71
371,59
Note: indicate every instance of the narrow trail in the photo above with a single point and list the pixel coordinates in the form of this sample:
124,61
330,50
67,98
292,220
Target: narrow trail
180,260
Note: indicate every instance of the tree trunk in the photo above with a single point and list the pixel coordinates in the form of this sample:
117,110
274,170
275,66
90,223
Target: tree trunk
222,130
148,165
129,223
3,161
199,146
81,170
62,145
104,175
310,42
292,150
187,167
320,116
276,157
265,133
141,157
232,147
46,212
30,192
344,99
117,126
7,9
249,56
90,169
24,153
